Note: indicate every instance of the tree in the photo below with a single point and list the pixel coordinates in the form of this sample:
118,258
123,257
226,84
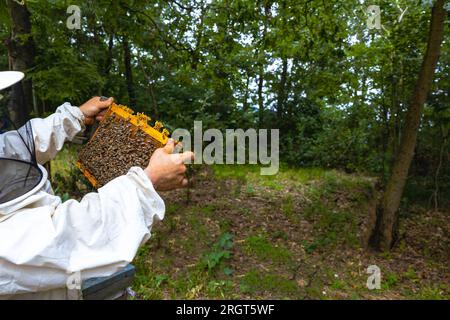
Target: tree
337,90
385,232
21,52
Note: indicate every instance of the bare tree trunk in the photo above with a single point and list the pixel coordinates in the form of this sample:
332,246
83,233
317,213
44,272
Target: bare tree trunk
245,104
198,43
387,214
21,52
150,87
435,195
129,72
109,60
260,95
281,95
281,99
261,51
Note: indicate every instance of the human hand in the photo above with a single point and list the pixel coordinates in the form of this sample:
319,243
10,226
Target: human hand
167,170
95,109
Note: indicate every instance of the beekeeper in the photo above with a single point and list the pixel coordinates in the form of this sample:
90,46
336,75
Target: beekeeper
43,241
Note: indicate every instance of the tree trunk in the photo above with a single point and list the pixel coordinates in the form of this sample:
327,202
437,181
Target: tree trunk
261,52
260,95
129,72
387,214
151,83
109,60
200,31
21,51
281,99
245,104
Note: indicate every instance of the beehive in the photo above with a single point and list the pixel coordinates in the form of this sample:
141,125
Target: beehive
122,140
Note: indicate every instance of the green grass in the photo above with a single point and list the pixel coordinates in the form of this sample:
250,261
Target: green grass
333,226
389,280
208,210
288,208
411,274
338,285
255,282
441,292
200,230
332,210
249,172
264,249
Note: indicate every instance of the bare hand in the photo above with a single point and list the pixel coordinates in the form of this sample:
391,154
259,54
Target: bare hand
167,170
95,109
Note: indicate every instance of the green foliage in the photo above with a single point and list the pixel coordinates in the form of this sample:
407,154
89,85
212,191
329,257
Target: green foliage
220,252
337,91
389,280
67,180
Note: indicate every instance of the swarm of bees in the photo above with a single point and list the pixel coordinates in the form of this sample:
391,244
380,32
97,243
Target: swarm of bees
122,140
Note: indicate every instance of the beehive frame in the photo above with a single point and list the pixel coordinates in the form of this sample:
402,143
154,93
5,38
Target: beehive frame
122,140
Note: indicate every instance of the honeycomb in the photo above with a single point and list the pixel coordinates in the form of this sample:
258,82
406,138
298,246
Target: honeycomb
122,140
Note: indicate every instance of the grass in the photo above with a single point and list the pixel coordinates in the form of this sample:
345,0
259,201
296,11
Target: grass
256,282
288,208
260,246
433,293
334,225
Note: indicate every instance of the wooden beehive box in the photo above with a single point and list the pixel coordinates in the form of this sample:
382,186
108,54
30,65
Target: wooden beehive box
122,140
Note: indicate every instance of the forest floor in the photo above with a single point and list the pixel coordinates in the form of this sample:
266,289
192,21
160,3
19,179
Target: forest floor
298,235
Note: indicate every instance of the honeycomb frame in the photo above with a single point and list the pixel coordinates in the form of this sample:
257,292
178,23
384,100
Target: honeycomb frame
122,140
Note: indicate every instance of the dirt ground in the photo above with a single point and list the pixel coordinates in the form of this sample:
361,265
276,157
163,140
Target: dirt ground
237,235
298,235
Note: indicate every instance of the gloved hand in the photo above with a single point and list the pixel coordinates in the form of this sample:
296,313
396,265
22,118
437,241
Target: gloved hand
166,170
95,109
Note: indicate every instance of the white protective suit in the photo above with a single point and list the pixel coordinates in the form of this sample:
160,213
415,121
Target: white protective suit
44,241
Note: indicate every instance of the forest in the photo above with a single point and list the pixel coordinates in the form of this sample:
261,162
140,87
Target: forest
362,104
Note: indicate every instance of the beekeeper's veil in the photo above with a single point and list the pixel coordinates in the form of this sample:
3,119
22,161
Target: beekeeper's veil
19,171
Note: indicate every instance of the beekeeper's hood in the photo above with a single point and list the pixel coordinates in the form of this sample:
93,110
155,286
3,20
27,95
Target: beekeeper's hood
19,171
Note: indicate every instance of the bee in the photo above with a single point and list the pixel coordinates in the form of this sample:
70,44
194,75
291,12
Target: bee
116,146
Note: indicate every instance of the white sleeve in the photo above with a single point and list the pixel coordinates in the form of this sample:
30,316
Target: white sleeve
97,236
51,133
